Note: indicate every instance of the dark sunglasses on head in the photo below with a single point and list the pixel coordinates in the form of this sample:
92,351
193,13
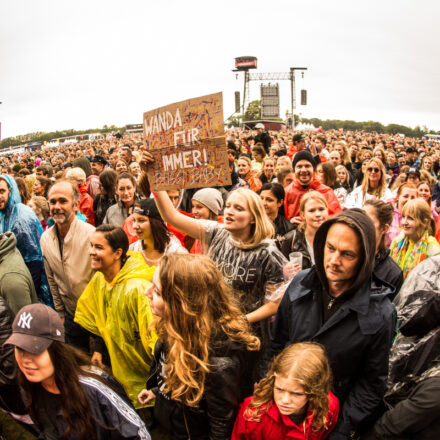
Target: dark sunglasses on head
376,170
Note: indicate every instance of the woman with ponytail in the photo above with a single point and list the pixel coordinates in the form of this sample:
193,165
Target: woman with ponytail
114,307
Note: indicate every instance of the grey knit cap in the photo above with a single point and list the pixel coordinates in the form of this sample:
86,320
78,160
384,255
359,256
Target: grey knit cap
211,198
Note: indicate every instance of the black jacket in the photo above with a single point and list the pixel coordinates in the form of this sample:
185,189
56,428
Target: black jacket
100,205
110,408
415,418
214,418
388,271
357,340
7,362
265,139
357,336
295,241
10,400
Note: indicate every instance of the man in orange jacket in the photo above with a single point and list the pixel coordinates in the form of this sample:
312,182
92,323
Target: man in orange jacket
304,181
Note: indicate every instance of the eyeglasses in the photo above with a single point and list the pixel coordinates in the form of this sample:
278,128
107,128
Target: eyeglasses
373,170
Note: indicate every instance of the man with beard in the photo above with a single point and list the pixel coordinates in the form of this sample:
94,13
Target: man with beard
65,249
304,181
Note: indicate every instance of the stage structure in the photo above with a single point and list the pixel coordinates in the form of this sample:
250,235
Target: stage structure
246,63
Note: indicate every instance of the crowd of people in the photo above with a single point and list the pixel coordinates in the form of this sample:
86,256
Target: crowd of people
301,301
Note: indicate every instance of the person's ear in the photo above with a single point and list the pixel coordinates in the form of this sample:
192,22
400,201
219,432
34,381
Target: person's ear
118,254
385,228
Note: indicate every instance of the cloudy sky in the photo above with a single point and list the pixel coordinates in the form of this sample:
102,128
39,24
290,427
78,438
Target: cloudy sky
84,64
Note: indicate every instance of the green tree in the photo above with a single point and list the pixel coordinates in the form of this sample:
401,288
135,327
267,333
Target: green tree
253,111
233,121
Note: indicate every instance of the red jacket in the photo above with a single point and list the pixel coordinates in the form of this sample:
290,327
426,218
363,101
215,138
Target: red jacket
295,191
275,426
86,204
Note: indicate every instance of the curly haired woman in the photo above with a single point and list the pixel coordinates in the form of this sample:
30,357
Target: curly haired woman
201,357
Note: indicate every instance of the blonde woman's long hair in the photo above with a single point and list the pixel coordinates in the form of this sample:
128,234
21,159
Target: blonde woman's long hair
307,364
262,227
200,310
379,191
346,156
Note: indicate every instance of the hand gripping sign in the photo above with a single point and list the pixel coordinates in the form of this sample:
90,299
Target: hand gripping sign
187,142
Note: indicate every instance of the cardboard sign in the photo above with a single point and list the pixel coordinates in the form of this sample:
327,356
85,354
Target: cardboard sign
202,164
184,122
187,142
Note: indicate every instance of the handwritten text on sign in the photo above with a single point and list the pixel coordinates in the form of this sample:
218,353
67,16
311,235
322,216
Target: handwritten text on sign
184,122
200,165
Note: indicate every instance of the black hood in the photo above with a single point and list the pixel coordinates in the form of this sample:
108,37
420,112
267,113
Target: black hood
366,230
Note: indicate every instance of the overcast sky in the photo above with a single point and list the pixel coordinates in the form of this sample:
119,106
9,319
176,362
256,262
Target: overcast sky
83,64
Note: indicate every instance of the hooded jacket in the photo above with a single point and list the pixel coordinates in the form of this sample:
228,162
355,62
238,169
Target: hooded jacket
120,313
86,204
16,285
295,191
357,333
22,221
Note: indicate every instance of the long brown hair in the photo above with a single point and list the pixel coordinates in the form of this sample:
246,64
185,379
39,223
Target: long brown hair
307,364
68,365
199,311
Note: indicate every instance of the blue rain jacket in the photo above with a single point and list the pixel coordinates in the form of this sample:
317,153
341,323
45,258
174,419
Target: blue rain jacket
22,221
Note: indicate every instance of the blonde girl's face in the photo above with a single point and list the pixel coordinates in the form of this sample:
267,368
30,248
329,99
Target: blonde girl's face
340,150
423,192
269,167
289,396
427,164
315,214
237,217
342,175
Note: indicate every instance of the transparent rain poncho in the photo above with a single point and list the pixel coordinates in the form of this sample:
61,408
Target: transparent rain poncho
22,221
415,354
120,313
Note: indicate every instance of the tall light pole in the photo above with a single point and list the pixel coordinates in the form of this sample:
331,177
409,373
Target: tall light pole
293,92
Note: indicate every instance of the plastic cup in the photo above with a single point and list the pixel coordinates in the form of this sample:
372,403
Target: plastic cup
296,257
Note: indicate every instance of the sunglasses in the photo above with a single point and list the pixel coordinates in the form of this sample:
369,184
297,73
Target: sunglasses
373,170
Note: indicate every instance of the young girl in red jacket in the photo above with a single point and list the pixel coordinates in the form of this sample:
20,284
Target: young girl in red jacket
293,401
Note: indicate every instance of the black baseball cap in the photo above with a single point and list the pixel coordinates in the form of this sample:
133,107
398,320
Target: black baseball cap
413,171
298,138
148,208
35,327
99,159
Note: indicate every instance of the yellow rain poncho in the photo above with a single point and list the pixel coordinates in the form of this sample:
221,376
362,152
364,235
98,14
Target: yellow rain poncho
120,313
